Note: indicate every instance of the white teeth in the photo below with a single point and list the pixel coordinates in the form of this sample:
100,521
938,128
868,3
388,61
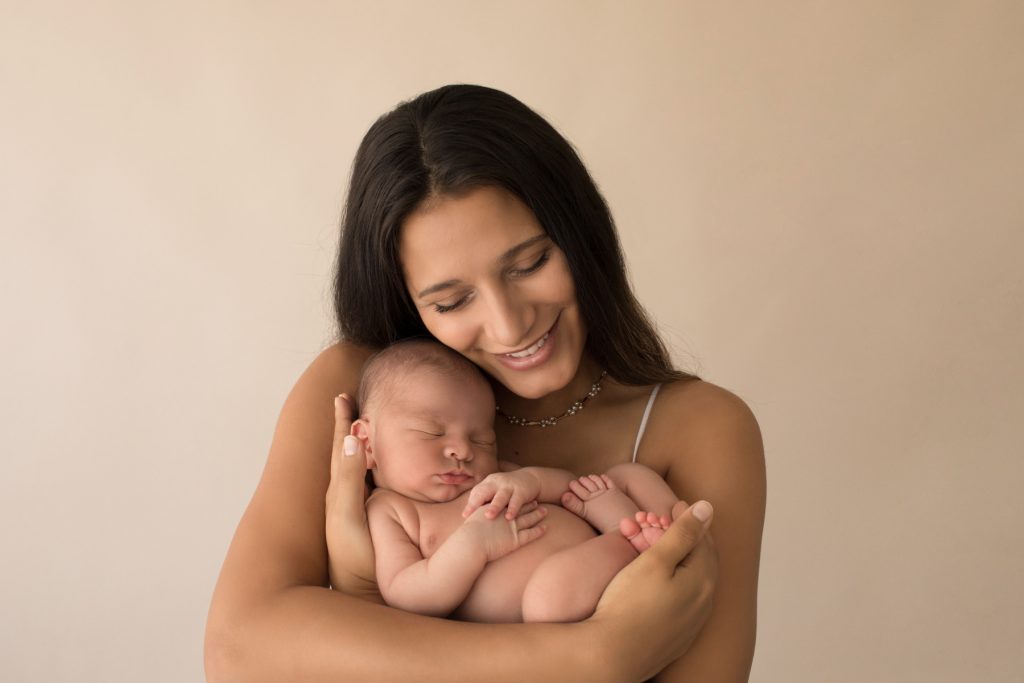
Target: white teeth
530,351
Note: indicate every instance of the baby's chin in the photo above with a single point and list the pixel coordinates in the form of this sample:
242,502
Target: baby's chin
454,493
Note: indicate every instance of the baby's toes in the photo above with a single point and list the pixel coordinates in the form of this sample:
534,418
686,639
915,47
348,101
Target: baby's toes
652,519
634,534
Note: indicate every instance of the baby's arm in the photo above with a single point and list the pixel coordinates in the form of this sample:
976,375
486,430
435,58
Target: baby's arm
514,486
435,586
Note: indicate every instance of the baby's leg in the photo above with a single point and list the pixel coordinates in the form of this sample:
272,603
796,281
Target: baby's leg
597,499
614,501
566,586
644,487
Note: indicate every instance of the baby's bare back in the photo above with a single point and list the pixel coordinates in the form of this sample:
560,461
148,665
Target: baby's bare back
497,594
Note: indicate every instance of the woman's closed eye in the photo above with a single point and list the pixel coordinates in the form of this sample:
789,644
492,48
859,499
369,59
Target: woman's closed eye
444,308
515,272
533,267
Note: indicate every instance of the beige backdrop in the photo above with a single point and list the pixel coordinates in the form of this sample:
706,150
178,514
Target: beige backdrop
820,203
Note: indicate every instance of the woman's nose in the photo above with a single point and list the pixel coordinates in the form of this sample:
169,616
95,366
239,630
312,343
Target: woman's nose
507,319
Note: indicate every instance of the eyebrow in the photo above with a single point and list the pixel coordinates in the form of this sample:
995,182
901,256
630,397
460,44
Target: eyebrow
504,260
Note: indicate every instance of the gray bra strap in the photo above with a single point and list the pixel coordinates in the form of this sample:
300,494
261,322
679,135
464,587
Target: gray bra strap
643,422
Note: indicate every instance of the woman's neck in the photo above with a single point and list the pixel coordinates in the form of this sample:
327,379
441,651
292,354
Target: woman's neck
555,403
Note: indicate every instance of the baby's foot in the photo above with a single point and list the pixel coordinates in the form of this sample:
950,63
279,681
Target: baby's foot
596,499
644,529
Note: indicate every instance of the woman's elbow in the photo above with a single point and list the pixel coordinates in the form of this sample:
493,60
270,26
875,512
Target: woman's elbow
221,654
224,644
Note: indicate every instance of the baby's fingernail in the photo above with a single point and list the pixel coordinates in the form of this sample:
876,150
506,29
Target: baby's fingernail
351,445
702,510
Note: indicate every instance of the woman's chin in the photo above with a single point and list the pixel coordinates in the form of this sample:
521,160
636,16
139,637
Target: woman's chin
538,385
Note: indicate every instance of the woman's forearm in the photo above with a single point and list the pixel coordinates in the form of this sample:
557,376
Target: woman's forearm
314,634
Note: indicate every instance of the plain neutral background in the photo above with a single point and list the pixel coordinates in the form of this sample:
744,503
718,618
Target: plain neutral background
820,203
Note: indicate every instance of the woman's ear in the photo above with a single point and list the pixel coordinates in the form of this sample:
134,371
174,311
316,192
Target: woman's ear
361,430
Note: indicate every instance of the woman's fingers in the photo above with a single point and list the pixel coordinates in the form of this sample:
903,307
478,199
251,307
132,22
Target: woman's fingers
347,490
684,535
350,550
663,596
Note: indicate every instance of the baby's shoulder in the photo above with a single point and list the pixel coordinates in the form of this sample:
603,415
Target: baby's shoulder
386,499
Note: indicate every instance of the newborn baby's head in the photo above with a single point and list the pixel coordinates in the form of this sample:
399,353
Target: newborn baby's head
426,421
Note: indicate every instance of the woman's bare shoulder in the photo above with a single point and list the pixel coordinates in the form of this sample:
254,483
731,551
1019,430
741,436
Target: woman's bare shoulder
339,365
694,400
305,427
702,428
335,370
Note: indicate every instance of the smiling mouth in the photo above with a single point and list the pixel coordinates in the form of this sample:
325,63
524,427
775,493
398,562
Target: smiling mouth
535,347
531,350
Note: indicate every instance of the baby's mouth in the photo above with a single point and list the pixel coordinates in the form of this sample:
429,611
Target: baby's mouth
455,477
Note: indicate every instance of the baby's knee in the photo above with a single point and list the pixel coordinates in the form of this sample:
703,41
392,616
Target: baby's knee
550,596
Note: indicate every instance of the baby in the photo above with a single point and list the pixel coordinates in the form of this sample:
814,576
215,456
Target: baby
427,425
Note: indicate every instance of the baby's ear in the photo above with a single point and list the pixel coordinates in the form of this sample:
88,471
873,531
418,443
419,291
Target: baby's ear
361,430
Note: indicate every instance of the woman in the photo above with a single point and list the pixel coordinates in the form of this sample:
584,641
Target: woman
471,219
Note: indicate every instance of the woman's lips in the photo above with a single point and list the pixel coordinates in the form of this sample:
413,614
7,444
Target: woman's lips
538,357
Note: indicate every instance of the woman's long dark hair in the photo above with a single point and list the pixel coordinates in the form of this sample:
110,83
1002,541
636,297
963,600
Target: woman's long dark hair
457,138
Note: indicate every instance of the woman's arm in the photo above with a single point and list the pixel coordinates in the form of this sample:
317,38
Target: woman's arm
272,617
711,444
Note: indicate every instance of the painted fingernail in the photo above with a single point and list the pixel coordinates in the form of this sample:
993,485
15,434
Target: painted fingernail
351,445
702,510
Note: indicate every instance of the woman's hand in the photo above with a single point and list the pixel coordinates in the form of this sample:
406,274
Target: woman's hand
658,603
349,549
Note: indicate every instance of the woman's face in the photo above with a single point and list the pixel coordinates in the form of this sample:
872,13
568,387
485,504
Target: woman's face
489,283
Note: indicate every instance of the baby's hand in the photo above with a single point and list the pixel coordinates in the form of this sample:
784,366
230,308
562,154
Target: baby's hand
499,537
512,489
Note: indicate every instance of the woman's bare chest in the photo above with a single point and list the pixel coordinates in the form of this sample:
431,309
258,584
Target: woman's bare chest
586,443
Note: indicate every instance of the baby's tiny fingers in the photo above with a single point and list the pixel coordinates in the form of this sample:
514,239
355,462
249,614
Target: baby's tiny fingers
526,507
524,536
528,519
480,494
515,505
498,503
576,487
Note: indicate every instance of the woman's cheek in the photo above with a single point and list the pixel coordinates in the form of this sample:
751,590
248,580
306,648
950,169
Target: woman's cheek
451,333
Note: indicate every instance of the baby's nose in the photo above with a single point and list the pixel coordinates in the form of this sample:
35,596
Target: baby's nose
458,452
